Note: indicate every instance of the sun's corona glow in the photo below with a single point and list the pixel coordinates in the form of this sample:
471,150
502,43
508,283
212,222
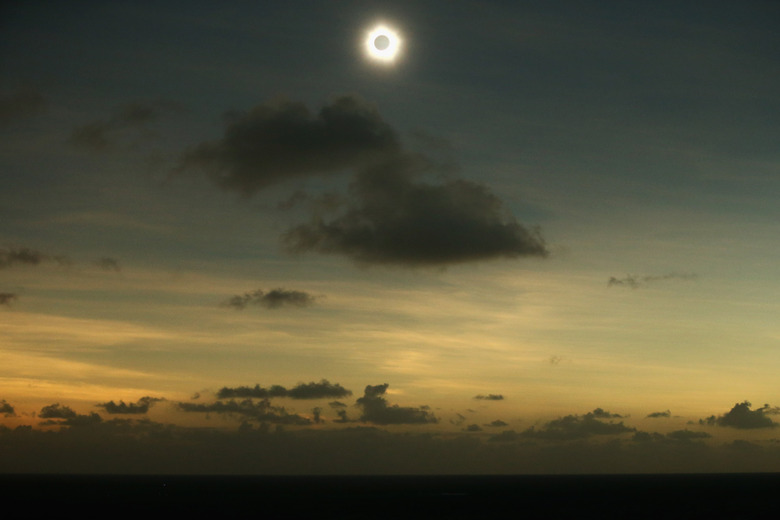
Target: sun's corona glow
382,44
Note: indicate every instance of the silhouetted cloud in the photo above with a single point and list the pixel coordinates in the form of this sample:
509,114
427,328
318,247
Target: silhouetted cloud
393,218
600,413
310,390
634,282
109,264
578,427
8,298
490,397
26,256
656,415
20,103
140,407
56,411
6,409
66,416
278,141
498,423
687,435
272,299
391,215
377,411
472,428
261,411
741,416
99,135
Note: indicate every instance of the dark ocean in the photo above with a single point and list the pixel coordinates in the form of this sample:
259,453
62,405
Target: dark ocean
602,496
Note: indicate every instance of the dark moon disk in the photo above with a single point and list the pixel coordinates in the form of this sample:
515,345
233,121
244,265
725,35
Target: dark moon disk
381,42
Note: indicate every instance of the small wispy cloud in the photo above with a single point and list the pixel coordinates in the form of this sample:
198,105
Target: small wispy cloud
634,282
273,299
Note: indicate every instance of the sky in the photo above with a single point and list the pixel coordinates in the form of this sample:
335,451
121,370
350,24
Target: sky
542,238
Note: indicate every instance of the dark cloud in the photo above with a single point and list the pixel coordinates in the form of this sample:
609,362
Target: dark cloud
26,256
741,416
273,299
66,416
393,218
261,411
578,427
600,413
377,411
56,411
99,135
687,435
23,102
8,298
140,407
275,142
498,423
109,264
635,282
391,215
490,397
473,428
6,409
23,256
310,390
656,415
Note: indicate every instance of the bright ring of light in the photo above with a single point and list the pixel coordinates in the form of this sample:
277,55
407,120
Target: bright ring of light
383,44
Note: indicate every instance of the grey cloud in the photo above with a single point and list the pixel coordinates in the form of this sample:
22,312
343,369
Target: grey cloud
272,299
600,413
394,218
490,397
260,411
66,416
687,435
109,264
377,411
741,416
473,428
99,135
23,102
6,409
310,390
26,256
56,411
578,427
498,423
656,415
140,407
635,282
8,298
275,142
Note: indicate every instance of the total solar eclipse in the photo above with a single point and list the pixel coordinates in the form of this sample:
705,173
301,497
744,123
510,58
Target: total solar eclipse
382,44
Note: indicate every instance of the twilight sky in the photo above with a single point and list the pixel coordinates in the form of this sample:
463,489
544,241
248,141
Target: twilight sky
544,238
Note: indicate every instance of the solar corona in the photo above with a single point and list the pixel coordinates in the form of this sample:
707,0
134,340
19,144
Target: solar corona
382,44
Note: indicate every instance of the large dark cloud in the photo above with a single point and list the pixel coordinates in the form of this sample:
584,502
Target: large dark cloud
65,416
394,212
312,390
741,416
395,218
278,141
377,411
140,407
273,299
